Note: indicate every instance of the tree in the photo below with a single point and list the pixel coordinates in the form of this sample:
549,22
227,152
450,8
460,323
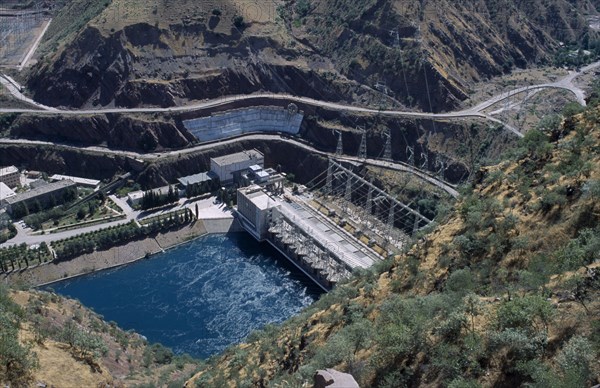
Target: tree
81,213
16,361
575,361
90,346
528,313
473,308
238,22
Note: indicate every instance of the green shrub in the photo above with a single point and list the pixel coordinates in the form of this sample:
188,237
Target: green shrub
530,313
162,355
575,361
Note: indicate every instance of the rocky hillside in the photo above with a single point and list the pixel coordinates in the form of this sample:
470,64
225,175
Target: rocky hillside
376,52
503,293
47,340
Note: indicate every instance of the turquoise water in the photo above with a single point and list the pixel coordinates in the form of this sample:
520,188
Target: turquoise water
200,297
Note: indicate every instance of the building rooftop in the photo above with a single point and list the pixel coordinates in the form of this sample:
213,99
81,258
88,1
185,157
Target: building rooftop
261,199
255,168
50,187
197,178
78,180
8,170
237,157
135,194
5,191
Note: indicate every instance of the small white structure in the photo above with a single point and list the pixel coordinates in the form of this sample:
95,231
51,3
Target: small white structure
135,198
262,176
255,168
5,192
230,167
91,183
10,176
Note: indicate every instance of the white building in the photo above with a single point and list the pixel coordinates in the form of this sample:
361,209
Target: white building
254,205
5,192
229,167
86,182
10,176
135,198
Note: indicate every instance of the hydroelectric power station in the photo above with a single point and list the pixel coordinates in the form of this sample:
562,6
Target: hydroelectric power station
326,251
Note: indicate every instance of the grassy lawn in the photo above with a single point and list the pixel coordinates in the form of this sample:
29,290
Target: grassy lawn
74,218
123,191
111,204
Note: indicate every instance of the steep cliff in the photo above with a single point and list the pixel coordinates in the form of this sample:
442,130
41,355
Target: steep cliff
133,55
112,130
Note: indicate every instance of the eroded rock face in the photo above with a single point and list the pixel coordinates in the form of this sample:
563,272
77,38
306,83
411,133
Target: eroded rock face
350,53
115,131
92,69
70,162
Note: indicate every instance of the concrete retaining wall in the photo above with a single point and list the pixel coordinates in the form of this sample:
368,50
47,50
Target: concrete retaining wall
222,225
241,121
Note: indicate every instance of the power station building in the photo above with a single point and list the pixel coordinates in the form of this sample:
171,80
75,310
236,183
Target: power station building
51,194
229,168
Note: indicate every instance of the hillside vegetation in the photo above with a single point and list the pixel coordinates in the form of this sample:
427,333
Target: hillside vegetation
504,293
48,340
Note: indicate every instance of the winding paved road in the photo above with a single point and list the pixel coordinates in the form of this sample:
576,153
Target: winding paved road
151,157
566,83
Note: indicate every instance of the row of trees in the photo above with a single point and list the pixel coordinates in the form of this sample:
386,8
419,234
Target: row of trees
116,235
201,188
152,198
21,256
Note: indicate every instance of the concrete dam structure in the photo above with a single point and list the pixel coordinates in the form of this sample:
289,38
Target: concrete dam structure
248,120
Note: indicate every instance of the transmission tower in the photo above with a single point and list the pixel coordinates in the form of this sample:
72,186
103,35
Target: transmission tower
440,166
390,221
329,182
425,159
362,150
387,152
396,36
348,193
410,152
340,145
370,199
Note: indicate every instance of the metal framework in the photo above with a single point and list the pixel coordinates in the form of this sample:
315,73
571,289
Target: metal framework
377,200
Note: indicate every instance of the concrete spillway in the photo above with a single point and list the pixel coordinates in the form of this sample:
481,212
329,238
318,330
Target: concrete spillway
242,121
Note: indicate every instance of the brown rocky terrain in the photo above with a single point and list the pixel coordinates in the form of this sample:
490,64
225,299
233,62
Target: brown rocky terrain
132,55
